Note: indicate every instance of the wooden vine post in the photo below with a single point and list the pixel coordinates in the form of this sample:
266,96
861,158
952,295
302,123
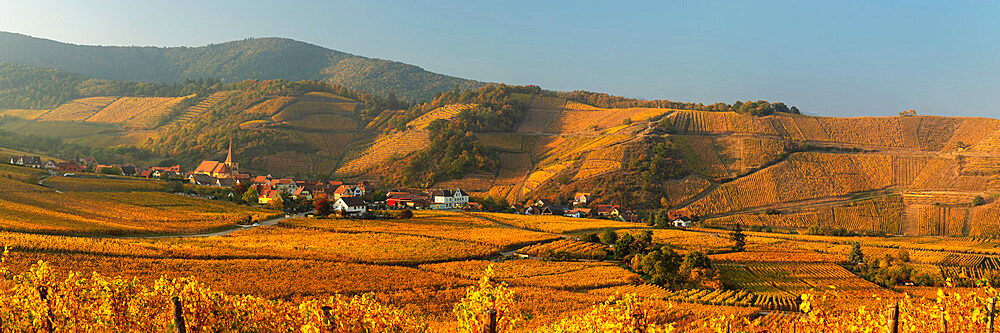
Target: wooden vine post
944,318
326,315
637,323
491,321
894,318
43,293
179,326
990,313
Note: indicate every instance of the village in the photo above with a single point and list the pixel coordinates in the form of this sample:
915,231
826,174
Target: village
343,199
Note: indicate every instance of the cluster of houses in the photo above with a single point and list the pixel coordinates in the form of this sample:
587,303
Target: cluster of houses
67,166
580,208
429,199
346,198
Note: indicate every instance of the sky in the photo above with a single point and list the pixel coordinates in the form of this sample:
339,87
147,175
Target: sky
830,58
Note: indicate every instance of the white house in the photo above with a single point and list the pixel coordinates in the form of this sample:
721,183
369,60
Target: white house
448,199
350,206
682,222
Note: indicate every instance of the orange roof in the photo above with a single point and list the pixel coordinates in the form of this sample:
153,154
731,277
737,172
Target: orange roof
207,166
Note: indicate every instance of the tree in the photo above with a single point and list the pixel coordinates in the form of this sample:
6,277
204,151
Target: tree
661,266
277,203
609,237
978,200
738,237
856,256
623,246
250,196
405,214
322,206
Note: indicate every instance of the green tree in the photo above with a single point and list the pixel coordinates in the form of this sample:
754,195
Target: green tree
738,237
623,246
661,265
609,237
856,256
250,196
978,200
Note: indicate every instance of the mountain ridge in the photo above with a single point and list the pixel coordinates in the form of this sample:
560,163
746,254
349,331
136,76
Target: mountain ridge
232,61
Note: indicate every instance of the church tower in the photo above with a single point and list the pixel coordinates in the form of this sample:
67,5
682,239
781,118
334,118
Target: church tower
229,158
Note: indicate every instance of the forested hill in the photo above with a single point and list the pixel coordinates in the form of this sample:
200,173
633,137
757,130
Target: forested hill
262,58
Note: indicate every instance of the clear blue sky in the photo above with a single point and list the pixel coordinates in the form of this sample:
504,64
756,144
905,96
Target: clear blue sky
834,58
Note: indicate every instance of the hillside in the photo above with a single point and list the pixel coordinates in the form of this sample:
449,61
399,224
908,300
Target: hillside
258,59
914,175
755,166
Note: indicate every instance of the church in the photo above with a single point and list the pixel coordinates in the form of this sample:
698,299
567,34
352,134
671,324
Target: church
224,170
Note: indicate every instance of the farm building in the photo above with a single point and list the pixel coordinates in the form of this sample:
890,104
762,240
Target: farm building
350,206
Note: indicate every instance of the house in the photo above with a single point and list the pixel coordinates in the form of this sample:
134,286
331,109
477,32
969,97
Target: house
577,212
284,185
606,210
69,166
533,210
51,165
682,222
199,179
302,193
449,199
554,210
158,172
347,191
581,199
629,216
350,206
543,203
28,161
267,195
574,213
261,179
225,182
364,188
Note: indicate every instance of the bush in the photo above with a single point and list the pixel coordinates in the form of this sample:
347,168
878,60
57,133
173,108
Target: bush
405,214
609,237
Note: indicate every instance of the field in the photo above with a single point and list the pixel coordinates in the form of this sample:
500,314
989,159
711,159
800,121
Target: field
78,110
567,249
556,224
33,208
423,265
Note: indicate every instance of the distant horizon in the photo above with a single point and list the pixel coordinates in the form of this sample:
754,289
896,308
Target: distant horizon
840,60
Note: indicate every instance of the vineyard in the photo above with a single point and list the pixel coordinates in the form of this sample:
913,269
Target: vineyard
78,110
537,273
555,224
567,249
126,108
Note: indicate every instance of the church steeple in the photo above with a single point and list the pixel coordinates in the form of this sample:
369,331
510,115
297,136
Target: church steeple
229,158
